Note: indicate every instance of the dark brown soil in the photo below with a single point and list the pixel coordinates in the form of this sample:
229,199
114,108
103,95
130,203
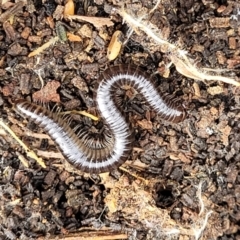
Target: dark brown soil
181,181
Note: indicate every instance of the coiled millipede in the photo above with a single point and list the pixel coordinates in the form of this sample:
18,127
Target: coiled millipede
81,150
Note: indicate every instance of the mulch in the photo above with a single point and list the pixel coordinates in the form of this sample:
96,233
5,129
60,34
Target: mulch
181,181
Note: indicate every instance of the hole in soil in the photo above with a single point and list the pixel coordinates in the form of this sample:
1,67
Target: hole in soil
164,197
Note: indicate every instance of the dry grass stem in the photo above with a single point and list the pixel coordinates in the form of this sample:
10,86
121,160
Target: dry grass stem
28,151
84,113
23,160
178,57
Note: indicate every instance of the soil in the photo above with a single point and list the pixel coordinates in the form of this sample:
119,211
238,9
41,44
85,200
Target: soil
181,181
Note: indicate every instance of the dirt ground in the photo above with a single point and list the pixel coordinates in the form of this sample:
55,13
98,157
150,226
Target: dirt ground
181,181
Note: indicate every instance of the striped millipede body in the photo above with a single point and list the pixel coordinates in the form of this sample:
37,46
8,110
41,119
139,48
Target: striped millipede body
82,150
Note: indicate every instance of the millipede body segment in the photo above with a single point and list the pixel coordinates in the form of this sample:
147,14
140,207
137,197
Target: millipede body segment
82,150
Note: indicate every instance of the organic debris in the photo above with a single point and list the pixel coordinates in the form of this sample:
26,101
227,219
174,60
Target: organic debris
181,181
138,207
97,22
43,47
48,93
178,57
28,151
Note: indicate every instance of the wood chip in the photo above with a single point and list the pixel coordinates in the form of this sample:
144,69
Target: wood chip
35,39
9,30
145,124
196,90
184,158
12,11
221,8
219,22
86,31
25,33
215,90
49,178
233,62
232,43
80,84
48,93
205,122
50,22
73,38
221,57
15,49
198,48
58,13
225,133
25,83
214,111
8,89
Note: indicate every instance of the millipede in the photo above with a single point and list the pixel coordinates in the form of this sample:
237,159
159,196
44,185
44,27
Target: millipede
82,150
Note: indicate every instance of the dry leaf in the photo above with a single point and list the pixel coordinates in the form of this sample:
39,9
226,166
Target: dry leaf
73,37
98,22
